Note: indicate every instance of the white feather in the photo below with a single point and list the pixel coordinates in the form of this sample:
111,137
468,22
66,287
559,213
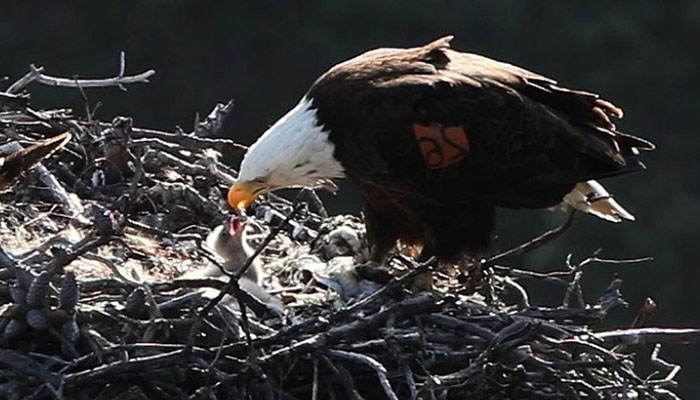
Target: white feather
592,198
295,151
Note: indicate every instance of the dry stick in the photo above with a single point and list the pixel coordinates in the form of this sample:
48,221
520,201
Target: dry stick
370,362
595,259
298,328
69,200
135,365
420,304
26,366
314,388
154,308
13,100
245,326
189,142
573,289
532,244
648,335
36,74
394,283
213,122
672,369
580,346
410,380
523,298
558,276
345,379
90,242
316,202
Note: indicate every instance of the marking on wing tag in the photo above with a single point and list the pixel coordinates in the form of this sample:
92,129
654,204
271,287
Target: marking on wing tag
440,145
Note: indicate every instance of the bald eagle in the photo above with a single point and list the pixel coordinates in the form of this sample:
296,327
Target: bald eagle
436,139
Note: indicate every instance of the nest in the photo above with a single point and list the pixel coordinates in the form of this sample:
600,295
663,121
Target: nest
96,237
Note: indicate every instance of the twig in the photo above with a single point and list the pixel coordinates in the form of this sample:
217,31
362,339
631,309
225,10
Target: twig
213,123
391,285
70,200
26,366
36,74
636,336
420,304
154,308
13,100
370,362
273,234
136,365
190,141
533,243
523,298
672,369
316,203
90,242
314,388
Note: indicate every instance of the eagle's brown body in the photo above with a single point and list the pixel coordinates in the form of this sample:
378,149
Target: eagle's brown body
435,139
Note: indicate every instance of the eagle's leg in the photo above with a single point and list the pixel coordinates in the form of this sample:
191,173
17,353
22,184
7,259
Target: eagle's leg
460,236
381,235
381,239
459,231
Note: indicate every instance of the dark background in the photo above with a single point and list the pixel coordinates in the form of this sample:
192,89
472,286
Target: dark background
641,55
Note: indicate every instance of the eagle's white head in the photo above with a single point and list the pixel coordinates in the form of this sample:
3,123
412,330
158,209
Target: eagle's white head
294,152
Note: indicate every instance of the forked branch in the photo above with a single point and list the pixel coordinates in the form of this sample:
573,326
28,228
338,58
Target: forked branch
36,74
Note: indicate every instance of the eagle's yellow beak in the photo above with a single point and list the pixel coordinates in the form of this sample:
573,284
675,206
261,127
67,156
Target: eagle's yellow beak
243,193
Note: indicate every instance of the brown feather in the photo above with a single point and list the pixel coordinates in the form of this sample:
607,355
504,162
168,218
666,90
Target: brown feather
530,141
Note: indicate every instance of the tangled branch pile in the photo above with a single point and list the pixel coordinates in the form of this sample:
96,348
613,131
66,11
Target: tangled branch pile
94,240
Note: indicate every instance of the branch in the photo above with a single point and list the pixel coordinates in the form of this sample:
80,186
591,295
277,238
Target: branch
13,100
649,335
191,142
530,245
213,123
36,74
391,285
370,362
27,367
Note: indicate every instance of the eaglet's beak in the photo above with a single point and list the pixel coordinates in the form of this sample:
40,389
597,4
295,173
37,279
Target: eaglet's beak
243,193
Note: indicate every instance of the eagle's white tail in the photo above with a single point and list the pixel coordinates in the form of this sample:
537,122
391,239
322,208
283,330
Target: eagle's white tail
592,198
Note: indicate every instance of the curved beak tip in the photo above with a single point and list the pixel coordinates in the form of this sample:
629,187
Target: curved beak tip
238,197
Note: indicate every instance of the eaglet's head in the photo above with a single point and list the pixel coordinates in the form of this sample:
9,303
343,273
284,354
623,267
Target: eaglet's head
294,152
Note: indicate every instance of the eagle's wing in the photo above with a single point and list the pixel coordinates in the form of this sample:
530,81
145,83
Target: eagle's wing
580,107
530,140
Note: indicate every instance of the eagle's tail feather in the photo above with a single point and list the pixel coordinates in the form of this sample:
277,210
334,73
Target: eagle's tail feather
592,198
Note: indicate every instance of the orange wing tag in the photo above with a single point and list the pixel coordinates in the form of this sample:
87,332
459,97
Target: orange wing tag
441,146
